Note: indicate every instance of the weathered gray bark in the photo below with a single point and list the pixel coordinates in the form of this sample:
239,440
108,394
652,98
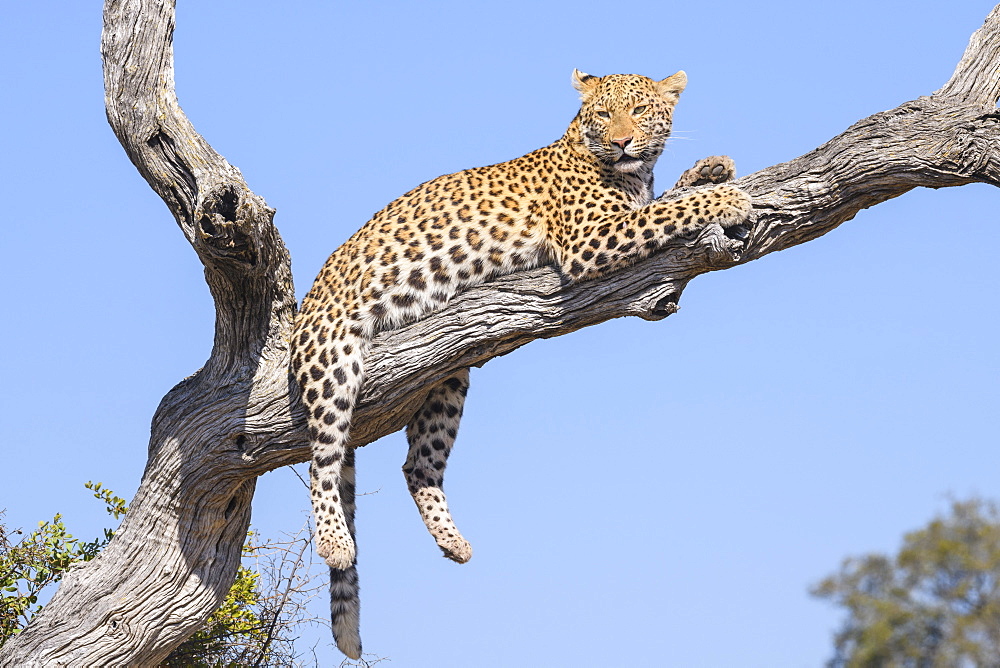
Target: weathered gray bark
176,553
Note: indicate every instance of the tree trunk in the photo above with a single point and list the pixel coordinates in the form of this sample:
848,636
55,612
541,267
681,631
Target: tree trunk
175,555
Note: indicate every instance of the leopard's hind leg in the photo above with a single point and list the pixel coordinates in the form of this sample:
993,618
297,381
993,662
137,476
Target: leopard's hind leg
431,434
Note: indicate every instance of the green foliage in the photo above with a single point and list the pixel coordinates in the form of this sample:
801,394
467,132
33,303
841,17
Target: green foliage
936,603
31,563
251,627
115,505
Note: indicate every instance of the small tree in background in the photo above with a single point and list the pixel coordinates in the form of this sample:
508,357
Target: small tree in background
253,627
936,603
30,564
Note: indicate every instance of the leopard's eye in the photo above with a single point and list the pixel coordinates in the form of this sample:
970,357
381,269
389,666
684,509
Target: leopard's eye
638,110
603,114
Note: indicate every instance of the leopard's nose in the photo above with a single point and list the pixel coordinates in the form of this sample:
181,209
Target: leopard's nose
622,141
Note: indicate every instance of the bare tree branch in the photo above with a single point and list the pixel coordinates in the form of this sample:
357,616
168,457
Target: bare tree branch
975,79
178,549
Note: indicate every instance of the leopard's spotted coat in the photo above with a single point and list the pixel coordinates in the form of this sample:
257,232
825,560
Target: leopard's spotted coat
584,203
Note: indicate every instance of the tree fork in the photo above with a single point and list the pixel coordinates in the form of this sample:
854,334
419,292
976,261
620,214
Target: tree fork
177,551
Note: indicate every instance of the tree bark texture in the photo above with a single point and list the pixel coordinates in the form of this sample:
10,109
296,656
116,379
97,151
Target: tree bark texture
176,553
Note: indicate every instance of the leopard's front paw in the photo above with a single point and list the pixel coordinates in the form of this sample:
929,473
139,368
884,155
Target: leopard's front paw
732,210
713,169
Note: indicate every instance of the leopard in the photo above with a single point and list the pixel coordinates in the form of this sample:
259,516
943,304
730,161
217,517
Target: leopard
583,204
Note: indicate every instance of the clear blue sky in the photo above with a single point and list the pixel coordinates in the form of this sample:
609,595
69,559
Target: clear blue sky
809,406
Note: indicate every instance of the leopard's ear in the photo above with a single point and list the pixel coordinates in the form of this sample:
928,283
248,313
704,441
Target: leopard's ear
585,83
673,86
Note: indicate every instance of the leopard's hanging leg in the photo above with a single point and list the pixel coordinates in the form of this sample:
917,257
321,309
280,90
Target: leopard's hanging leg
337,376
431,434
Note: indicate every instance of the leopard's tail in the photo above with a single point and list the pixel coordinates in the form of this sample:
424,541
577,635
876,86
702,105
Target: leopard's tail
345,604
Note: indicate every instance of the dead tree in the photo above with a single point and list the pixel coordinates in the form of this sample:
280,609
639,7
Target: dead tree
177,551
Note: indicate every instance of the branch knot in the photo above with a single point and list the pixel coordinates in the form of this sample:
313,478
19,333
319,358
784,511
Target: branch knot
226,226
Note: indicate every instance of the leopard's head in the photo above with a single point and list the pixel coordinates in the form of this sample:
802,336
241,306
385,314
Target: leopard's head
625,118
